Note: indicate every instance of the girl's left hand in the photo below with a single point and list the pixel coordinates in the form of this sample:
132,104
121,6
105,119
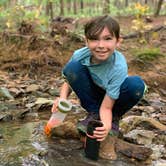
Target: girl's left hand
101,133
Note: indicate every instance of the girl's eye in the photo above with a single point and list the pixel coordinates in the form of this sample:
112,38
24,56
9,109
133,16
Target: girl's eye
108,38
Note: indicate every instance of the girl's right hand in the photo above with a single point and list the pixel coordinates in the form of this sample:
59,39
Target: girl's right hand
55,105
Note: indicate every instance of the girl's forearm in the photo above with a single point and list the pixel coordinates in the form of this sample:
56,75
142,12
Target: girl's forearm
65,90
106,118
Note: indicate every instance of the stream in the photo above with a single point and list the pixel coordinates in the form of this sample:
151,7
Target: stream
24,143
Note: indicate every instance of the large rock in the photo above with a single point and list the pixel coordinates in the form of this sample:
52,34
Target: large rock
143,137
131,122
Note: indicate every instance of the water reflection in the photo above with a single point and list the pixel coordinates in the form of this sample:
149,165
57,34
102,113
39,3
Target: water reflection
16,142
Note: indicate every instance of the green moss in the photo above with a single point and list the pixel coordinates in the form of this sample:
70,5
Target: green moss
148,53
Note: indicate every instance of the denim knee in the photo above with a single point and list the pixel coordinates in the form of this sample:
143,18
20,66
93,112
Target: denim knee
136,87
71,70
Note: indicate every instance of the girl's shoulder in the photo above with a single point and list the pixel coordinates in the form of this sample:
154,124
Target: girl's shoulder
81,53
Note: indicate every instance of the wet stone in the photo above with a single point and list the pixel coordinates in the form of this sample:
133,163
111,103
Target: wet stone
162,119
144,137
5,94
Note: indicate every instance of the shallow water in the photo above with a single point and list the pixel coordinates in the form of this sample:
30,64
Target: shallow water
24,143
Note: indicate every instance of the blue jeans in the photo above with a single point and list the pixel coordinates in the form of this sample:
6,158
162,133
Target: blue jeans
91,95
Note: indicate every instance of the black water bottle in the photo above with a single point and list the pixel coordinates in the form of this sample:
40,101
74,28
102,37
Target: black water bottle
92,145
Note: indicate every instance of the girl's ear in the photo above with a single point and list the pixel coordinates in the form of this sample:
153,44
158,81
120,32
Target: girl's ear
119,41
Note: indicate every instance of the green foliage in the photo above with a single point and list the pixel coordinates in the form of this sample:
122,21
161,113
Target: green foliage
147,53
139,11
11,15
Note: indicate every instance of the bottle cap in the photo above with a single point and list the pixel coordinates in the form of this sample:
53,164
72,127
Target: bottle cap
64,105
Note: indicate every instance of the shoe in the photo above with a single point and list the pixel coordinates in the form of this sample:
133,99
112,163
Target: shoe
115,127
82,125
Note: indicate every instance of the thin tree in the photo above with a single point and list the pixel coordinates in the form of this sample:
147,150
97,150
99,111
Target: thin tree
75,7
62,7
160,2
82,6
106,7
126,3
49,9
69,6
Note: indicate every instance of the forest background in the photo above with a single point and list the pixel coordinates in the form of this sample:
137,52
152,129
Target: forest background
13,12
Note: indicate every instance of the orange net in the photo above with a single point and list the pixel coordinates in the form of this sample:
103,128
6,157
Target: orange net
51,124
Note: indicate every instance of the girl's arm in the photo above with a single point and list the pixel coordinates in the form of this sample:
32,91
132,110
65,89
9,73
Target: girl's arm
106,117
65,90
64,93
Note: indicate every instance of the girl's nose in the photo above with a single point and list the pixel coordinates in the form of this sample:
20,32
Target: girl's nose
100,43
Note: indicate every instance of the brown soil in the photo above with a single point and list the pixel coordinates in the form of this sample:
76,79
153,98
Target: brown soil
37,56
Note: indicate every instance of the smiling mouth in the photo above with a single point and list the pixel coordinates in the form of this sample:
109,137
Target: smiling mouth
101,52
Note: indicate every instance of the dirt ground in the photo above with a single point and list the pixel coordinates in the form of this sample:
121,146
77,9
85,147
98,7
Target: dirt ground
38,56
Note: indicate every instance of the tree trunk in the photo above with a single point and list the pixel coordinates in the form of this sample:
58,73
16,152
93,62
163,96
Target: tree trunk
75,7
106,7
49,9
69,6
126,3
82,6
158,7
62,7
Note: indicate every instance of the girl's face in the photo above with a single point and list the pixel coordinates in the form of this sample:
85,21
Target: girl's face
103,46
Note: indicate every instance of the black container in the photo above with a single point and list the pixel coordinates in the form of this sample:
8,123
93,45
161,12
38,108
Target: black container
92,145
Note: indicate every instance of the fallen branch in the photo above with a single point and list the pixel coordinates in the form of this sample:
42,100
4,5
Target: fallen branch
137,34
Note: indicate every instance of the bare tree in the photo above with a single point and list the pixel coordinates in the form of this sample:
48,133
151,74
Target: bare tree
69,6
75,7
160,2
82,5
62,7
126,3
49,9
106,7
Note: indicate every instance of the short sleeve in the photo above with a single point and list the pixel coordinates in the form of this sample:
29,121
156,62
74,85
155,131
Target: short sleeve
113,87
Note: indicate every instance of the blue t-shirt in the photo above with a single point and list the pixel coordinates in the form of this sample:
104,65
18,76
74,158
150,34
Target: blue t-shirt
109,74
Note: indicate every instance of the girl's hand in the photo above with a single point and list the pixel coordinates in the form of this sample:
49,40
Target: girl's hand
55,105
101,133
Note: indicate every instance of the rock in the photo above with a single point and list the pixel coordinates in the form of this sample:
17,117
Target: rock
6,117
132,150
163,91
65,130
5,94
158,151
1,136
3,107
16,91
162,119
42,101
143,137
54,92
131,122
160,138
32,88
159,163
112,145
